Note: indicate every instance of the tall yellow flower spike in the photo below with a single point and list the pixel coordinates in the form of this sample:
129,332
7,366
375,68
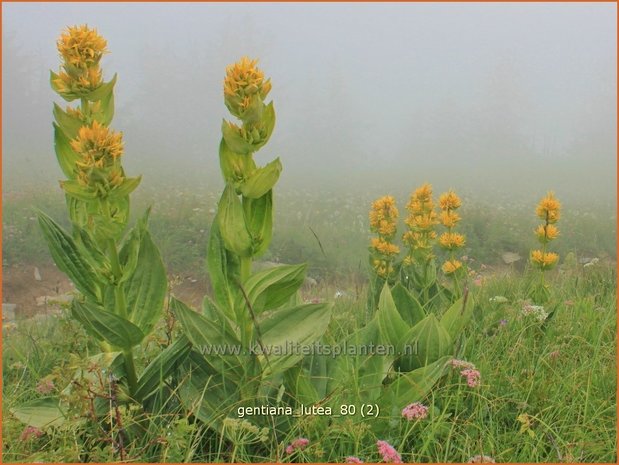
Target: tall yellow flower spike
383,221
450,240
421,221
549,210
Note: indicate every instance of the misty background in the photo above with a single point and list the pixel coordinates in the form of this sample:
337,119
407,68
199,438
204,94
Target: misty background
501,102
519,98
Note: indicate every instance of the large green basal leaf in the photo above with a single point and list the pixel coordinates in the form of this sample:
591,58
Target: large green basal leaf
292,327
215,340
161,367
424,343
411,387
209,394
408,306
273,287
391,325
458,315
40,413
67,257
107,326
147,286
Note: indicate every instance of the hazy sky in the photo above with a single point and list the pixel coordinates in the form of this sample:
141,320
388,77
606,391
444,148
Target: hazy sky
459,93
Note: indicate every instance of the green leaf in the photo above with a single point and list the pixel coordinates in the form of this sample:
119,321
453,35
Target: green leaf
235,167
358,371
262,180
106,114
40,413
268,120
411,387
76,190
232,226
210,337
424,343
67,157
297,326
407,305
209,394
147,286
273,287
200,330
391,325
102,92
161,367
458,315
234,140
107,325
67,257
70,125
218,267
126,187
259,220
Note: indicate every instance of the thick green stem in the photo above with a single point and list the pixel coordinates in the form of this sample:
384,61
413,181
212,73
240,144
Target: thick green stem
245,268
120,308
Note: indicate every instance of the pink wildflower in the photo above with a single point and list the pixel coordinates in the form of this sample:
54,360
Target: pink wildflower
389,454
299,444
472,377
352,459
415,411
30,431
455,363
45,386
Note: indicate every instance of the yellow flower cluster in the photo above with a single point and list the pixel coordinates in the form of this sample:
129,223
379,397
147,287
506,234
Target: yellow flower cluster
385,248
544,260
549,210
449,202
384,216
451,240
245,87
421,221
451,266
99,148
81,49
383,221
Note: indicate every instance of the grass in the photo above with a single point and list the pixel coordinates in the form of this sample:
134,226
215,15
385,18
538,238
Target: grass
329,230
547,390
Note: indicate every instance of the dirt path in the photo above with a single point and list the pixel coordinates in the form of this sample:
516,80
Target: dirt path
21,287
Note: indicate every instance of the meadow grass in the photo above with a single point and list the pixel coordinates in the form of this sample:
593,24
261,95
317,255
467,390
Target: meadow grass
547,390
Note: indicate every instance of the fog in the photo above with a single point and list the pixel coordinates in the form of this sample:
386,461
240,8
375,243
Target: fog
485,98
